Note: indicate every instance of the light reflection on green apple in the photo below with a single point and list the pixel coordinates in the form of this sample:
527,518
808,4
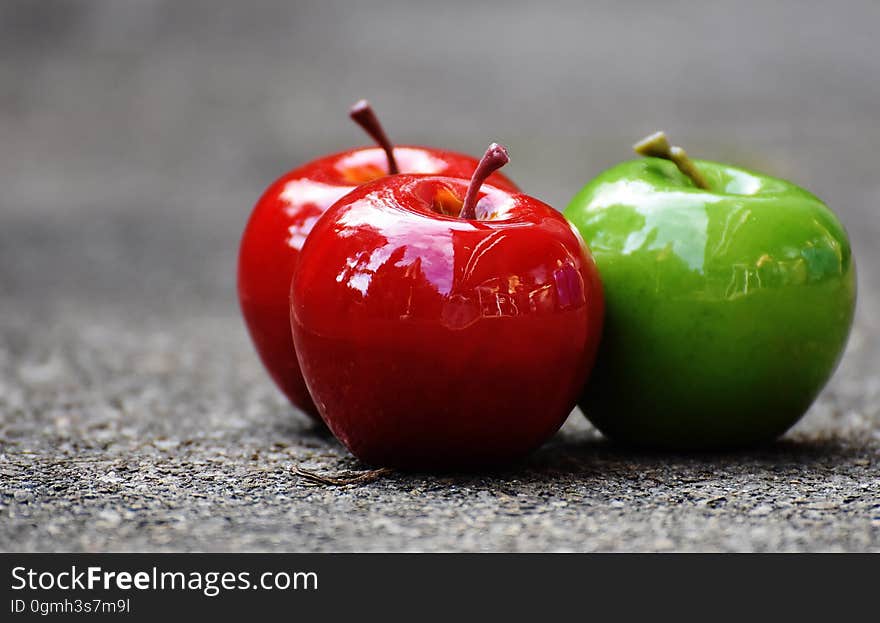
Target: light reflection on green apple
727,309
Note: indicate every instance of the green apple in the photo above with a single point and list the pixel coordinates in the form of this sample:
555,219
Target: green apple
729,299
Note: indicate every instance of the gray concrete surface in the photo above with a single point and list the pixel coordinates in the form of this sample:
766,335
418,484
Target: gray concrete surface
135,136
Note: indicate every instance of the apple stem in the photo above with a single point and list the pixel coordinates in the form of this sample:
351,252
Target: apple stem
657,146
494,158
363,115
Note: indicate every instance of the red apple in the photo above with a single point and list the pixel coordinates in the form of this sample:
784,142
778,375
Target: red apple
282,219
441,332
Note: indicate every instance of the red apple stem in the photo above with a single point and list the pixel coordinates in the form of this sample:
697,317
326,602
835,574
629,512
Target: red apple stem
657,146
494,158
363,115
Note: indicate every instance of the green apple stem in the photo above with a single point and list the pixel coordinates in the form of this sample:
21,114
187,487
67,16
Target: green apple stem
494,158
657,146
362,114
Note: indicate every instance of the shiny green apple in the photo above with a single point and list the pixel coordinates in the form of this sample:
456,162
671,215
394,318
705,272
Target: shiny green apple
727,307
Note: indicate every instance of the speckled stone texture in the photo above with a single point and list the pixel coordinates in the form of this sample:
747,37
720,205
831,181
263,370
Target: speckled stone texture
135,136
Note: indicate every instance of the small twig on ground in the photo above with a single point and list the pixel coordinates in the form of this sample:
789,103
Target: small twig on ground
344,478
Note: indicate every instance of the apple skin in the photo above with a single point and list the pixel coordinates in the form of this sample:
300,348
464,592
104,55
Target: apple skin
277,229
434,342
727,311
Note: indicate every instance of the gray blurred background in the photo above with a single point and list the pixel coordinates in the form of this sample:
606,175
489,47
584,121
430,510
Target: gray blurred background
135,137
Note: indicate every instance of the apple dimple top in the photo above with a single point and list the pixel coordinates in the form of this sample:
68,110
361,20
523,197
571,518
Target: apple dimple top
749,232
520,256
356,166
305,193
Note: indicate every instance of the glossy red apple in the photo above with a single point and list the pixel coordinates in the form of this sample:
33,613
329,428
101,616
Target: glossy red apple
285,214
441,324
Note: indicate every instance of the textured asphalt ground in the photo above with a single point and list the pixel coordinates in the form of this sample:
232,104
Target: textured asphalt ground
134,137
